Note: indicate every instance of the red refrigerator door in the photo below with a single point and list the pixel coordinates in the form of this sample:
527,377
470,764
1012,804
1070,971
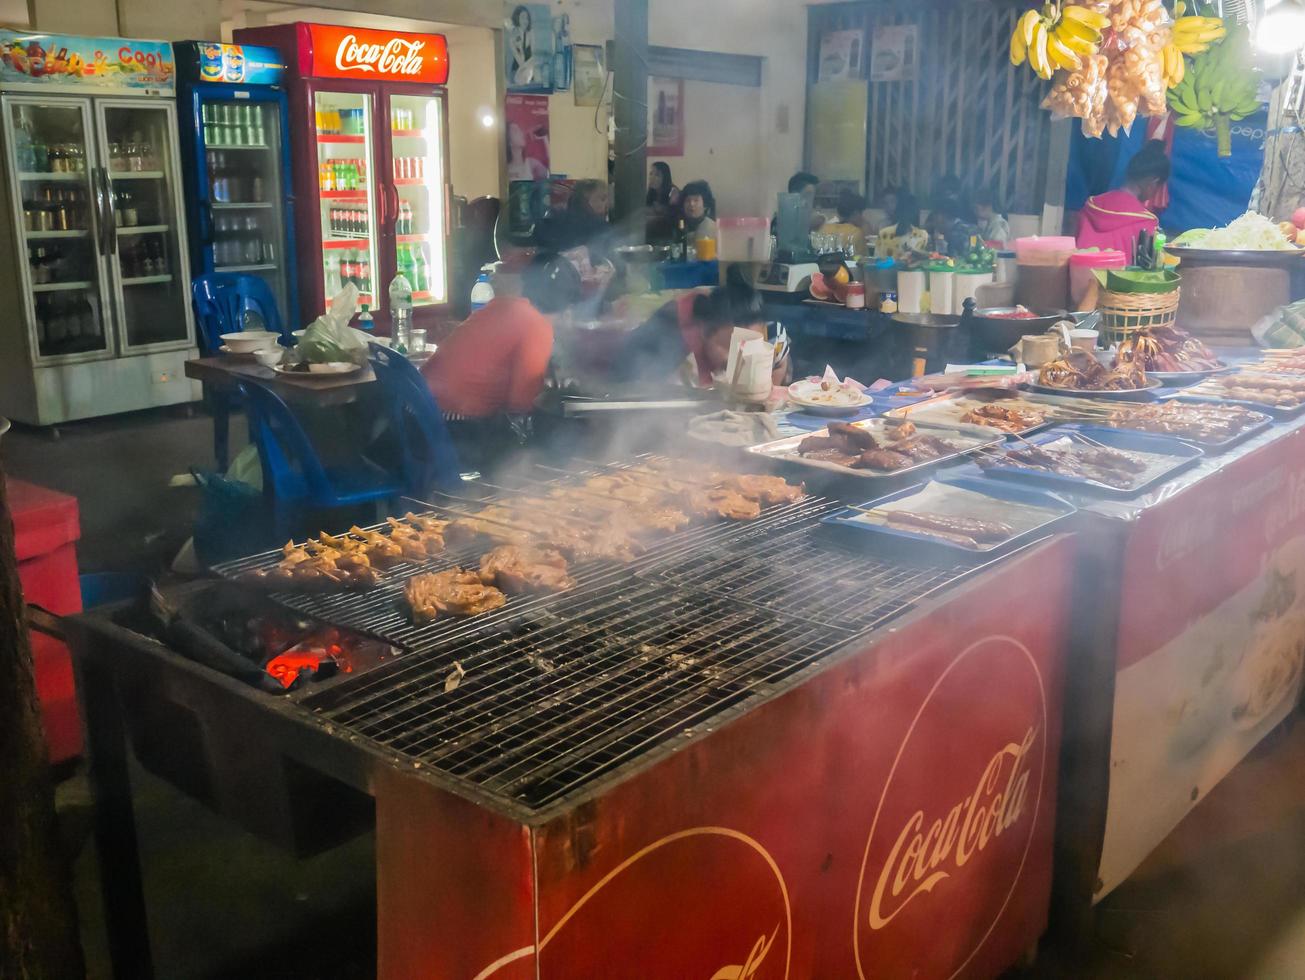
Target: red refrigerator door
343,206
416,186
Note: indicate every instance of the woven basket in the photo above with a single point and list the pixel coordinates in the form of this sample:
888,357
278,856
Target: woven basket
1125,313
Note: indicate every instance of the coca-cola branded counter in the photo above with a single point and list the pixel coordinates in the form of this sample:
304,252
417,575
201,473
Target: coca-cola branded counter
1189,650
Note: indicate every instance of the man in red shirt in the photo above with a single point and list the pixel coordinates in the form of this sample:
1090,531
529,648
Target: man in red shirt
496,361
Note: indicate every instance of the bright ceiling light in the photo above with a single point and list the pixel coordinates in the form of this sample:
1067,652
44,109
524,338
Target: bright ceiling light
487,119
1282,29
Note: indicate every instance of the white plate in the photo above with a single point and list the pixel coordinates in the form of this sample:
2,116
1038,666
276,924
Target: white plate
331,369
840,401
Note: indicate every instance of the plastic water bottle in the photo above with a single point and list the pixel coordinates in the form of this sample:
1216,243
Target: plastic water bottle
482,292
401,313
365,321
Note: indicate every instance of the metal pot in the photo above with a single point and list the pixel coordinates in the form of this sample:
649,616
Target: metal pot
994,335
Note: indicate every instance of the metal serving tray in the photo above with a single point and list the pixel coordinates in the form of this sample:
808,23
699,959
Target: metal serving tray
946,410
966,440
1125,395
1213,398
1208,447
1031,513
1167,456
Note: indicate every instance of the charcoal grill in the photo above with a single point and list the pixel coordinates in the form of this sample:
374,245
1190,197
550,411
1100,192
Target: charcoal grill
722,719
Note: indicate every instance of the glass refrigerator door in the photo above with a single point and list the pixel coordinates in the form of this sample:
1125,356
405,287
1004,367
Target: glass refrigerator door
345,129
137,145
54,212
417,138
242,156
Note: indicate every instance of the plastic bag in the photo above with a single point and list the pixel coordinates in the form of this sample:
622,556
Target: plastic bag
329,338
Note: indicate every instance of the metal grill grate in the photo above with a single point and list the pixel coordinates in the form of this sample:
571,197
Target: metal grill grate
558,699
558,691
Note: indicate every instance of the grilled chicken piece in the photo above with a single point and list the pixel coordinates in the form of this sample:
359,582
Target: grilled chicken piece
727,504
455,592
517,570
592,543
380,549
968,527
903,431
495,525
820,444
619,486
765,489
854,436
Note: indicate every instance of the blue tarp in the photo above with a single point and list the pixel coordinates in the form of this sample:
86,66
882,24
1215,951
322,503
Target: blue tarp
1204,190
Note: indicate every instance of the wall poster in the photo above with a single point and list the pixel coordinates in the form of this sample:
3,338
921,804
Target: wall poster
526,122
528,48
895,54
590,74
666,117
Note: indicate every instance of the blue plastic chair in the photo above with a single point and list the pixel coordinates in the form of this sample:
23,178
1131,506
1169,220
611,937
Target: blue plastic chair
429,458
220,301
294,476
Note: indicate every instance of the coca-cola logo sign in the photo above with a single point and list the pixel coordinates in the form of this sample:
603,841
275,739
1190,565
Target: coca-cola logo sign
395,57
359,52
952,830
725,916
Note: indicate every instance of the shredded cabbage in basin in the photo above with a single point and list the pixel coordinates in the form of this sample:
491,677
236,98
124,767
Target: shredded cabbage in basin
1250,231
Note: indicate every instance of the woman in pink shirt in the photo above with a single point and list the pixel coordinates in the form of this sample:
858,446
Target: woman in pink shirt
1114,219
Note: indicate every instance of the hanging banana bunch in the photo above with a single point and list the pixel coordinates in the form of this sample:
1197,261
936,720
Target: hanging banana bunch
1056,37
1219,88
1193,34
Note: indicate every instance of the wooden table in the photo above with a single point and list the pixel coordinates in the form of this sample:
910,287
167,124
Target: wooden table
224,373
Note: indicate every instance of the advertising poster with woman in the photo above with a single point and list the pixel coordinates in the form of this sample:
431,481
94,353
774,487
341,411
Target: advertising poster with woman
528,48
526,118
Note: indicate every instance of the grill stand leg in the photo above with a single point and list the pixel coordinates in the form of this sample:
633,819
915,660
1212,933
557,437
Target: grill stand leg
115,826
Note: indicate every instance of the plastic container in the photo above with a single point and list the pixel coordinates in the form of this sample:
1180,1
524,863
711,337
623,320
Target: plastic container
910,290
482,292
1083,285
1048,250
744,239
967,287
942,289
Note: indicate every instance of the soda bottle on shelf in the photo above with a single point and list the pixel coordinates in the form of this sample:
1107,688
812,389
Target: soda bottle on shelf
365,274
420,274
326,179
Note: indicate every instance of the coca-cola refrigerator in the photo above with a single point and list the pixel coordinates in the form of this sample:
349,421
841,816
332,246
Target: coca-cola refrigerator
369,131
93,264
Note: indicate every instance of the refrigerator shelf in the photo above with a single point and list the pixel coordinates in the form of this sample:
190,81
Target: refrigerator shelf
54,287
409,181
69,233
340,138
416,134
137,174
75,176
237,146
345,242
146,280
141,229
233,205
411,239
344,195
261,267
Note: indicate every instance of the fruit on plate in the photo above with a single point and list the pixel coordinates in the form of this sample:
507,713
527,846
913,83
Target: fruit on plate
1220,88
820,288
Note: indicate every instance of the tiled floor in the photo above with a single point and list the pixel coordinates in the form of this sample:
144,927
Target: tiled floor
1223,898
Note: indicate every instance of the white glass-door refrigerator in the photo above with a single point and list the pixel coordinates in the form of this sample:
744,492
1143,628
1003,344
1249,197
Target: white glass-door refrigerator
93,253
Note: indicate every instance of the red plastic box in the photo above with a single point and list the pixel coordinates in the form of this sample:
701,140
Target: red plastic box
46,530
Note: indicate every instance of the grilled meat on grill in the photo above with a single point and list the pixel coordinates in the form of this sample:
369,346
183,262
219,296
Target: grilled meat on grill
455,592
727,504
302,569
518,570
765,490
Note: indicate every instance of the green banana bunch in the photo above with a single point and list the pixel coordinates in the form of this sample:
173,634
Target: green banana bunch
1218,88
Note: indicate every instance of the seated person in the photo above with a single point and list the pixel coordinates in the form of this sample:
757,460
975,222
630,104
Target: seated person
496,361
689,338
582,222
993,226
847,229
948,233
662,203
904,237
699,206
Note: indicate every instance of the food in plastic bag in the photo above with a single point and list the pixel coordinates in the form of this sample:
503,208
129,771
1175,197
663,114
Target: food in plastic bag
329,338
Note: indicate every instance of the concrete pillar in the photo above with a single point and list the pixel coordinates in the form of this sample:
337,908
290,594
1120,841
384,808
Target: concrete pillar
630,104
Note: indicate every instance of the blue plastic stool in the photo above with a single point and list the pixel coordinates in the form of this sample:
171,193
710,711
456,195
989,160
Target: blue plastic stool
429,458
294,476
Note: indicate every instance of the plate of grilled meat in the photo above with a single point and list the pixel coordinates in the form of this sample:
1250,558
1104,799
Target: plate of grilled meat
876,447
